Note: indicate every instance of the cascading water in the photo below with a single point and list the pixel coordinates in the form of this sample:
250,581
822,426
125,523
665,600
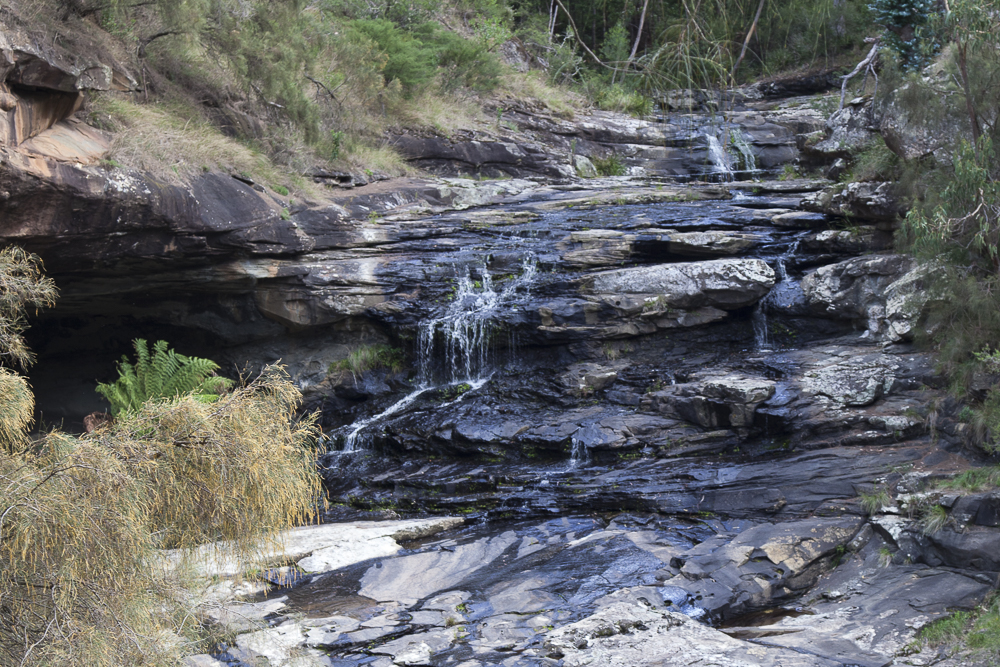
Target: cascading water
781,295
747,161
719,157
463,332
463,335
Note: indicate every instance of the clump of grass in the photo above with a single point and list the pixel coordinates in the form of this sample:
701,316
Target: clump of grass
975,479
371,357
622,100
874,500
934,519
611,165
874,162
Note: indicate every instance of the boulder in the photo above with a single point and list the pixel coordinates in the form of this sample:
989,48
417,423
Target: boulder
731,575
799,220
855,289
847,131
913,134
867,201
855,382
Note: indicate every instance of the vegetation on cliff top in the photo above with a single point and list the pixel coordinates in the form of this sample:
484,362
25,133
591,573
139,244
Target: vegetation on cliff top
241,85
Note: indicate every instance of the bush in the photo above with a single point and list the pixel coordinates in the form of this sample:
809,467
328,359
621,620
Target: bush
21,285
84,520
611,165
370,357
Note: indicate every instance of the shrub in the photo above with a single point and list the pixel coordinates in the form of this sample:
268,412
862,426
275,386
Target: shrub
407,59
611,165
22,284
162,374
874,162
370,357
84,519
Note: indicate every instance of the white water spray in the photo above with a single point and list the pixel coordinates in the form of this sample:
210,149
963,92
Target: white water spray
464,332
719,158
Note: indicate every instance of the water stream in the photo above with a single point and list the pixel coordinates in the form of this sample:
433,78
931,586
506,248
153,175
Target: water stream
780,296
455,348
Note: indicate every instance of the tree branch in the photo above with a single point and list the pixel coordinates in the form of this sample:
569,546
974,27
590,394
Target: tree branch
861,65
746,42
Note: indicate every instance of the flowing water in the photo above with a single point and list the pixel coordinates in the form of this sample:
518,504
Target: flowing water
455,347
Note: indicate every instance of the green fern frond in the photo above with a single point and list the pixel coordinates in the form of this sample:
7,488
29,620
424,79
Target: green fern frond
162,373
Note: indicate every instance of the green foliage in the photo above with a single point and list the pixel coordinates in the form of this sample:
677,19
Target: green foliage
22,285
84,521
611,165
16,407
934,519
975,479
161,374
619,98
371,357
415,57
873,501
977,631
909,29
947,631
874,162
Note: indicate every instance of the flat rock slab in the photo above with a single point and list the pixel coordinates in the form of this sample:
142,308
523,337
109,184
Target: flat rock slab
325,547
410,578
721,283
631,635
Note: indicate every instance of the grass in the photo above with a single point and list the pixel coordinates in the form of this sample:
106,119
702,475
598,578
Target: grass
874,500
977,630
371,357
874,162
611,165
173,143
934,519
975,479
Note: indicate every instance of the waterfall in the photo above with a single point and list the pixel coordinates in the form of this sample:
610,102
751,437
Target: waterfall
719,158
463,334
781,295
578,454
758,319
739,141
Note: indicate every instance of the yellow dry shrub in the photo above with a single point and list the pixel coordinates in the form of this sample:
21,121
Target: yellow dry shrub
83,521
16,406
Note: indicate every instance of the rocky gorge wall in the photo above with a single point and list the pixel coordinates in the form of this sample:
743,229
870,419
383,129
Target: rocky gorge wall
651,404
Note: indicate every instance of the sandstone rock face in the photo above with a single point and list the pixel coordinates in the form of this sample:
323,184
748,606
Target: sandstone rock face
720,283
913,136
877,202
41,80
855,289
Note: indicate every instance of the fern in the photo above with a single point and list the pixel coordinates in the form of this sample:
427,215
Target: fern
162,373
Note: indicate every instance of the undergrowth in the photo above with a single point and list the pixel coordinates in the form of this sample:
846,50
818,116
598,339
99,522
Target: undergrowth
371,357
